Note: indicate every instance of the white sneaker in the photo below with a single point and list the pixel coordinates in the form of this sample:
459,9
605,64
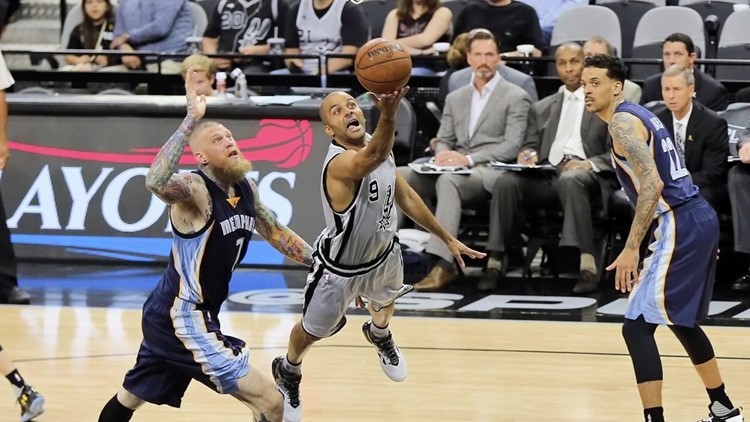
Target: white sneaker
734,416
392,362
288,385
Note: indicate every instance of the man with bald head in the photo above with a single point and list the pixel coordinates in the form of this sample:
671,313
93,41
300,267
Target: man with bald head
562,133
213,213
357,254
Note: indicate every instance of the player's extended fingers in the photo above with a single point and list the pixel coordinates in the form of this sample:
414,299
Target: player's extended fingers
459,259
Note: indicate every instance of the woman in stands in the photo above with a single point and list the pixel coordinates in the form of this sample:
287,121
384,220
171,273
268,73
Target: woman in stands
418,24
94,33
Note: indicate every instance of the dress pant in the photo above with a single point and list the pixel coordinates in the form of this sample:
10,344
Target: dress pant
8,272
738,185
577,192
452,192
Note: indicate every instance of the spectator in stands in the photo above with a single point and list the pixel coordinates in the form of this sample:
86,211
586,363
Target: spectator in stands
549,10
238,26
456,59
562,133
679,49
152,25
739,197
320,27
94,33
599,45
204,73
512,22
700,135
418,24
482,122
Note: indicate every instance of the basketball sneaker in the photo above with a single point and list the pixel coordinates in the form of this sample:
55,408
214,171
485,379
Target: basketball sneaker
392,362
32,403
734,416
288,385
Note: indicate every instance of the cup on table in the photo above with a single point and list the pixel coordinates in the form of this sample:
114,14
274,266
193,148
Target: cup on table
275,45
441,47
525,49
738,7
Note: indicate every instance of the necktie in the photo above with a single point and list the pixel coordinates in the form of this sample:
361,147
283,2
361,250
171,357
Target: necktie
679,140
564,132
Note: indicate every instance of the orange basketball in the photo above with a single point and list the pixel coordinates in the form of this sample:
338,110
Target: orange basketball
383,66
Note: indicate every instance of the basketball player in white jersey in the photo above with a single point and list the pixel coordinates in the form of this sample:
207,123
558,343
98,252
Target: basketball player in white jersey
357,254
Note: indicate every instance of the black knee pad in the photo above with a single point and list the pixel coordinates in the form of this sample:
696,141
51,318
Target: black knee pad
639,337
696,343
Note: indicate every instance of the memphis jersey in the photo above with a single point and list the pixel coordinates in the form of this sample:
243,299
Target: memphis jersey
365,230
678,185
201,264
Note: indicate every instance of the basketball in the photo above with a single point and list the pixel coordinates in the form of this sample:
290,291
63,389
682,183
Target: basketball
382,66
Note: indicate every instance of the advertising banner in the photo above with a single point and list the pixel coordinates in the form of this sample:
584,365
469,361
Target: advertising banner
74,188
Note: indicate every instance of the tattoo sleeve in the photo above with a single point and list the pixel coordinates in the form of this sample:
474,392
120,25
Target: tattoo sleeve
281,237
631,143
162,178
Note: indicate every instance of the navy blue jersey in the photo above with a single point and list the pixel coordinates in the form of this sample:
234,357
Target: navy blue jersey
678,185
201,264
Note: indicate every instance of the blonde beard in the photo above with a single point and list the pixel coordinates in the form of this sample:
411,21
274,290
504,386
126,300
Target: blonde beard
233,171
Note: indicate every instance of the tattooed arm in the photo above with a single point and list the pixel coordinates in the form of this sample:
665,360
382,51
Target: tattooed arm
162,178
629,138
281,237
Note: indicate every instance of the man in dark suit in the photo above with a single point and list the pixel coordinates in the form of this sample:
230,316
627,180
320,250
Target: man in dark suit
483,121
739,197
700,135
679,49
562,133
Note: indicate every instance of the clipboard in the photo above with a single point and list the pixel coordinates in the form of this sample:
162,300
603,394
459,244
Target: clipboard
431,168
520,167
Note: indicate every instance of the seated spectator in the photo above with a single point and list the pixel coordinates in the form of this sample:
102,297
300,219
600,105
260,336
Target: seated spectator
320,27
94,33
482,122
739,197
679,49
700,135
516,77
456,58
562,133
512,22
549,10
418,24
597,45
238,26
204,76
152,25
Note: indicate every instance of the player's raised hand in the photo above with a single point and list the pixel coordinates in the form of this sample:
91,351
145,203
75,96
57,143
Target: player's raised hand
388,103
458,249
196,104
626,270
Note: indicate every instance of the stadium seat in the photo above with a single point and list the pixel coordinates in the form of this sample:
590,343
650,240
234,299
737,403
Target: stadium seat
406,127
655,25
629,12
735,44
719,8
658,3
376,12
581,23
737,116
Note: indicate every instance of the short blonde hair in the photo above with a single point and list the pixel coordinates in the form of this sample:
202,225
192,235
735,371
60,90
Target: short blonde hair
199,63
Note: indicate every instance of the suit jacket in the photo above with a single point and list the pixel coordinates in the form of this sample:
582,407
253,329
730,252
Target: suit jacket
500,129
708,91
462,77
543,121
706,145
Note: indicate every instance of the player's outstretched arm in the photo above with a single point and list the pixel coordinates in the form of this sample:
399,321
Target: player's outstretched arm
281,237
412,205
629,139
162,178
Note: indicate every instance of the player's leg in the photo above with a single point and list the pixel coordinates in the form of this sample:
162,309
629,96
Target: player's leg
639,338
120,407
261,396
32,403
327,296
382,287
701,353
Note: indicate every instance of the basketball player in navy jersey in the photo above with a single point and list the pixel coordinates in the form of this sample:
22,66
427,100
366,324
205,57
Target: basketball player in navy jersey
357,254
674,285
213,212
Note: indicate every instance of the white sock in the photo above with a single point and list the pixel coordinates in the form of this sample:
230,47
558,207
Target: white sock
494,263
588,263
290,367
379,332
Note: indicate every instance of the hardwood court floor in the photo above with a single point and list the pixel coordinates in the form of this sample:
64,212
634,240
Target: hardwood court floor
459,369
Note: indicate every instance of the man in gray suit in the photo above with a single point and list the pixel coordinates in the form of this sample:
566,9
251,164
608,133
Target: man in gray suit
482,121
462,77
562,133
